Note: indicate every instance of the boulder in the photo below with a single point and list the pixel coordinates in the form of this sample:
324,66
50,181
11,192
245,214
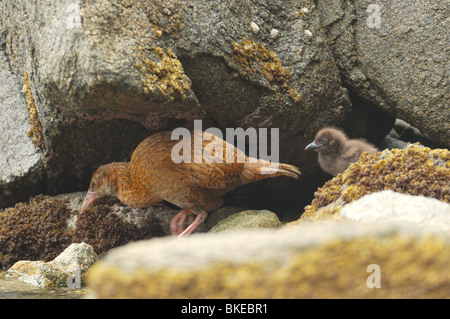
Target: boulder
249,219
394,55
67,270
400,208
20,159
100,77
313,260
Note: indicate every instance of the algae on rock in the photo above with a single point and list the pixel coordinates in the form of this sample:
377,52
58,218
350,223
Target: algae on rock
415,170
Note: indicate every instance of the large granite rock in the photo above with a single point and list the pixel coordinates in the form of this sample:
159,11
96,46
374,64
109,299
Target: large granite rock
20,160
395,55
100,77
313,260
400,208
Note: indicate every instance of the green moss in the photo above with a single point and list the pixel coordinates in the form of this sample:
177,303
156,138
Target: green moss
254,57
38,230
33,231
415,170
333,270
103,231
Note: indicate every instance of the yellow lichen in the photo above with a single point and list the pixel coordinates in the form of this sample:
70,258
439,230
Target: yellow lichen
36,127
415,170
158,32
164,74
254,57
165,17
333,270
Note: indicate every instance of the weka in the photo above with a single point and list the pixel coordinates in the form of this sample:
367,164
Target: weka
152,176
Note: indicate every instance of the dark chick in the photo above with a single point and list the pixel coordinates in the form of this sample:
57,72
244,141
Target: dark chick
152,176
336,151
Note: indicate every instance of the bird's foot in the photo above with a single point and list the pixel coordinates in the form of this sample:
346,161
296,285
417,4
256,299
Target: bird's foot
178,221
201,216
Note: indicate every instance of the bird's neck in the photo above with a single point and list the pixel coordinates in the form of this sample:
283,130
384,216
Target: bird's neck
127,190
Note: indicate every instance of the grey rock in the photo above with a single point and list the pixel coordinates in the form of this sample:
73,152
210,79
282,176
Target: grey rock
249,219
221,213
298,261
67,269
392,142
18,155
106,75
390,206
400,65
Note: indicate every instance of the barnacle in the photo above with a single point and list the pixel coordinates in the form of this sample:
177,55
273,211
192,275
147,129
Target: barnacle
274,33
415,170
254,27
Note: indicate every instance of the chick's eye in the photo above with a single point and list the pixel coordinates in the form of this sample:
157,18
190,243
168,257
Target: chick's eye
94,184
324,140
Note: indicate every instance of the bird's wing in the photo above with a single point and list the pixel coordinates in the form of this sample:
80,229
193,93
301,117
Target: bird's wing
355,148
350,153
217,164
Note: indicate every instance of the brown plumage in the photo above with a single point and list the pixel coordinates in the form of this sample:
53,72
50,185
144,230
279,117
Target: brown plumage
151,176
336,151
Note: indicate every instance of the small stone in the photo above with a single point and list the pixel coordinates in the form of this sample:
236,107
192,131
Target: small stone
249,219
67,269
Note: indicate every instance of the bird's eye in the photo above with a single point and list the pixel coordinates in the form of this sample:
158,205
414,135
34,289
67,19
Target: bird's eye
95,184
324,140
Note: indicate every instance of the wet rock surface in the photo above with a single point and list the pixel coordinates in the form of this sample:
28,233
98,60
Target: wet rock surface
68,269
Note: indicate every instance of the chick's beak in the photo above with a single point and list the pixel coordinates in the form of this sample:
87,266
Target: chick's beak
88,200
312,146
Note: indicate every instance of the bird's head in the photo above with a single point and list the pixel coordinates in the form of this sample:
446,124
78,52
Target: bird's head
101,185
327,140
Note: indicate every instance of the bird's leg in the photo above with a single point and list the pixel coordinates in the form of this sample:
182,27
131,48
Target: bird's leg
176,224
201,216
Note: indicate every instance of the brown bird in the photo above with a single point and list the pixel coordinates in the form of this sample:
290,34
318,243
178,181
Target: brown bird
336,151
196,187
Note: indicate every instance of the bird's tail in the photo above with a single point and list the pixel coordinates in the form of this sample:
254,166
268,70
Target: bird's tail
264,169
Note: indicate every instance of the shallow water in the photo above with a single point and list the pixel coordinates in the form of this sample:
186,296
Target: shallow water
15,289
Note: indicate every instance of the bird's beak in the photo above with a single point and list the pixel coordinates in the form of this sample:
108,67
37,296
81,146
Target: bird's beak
88,200
312,146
